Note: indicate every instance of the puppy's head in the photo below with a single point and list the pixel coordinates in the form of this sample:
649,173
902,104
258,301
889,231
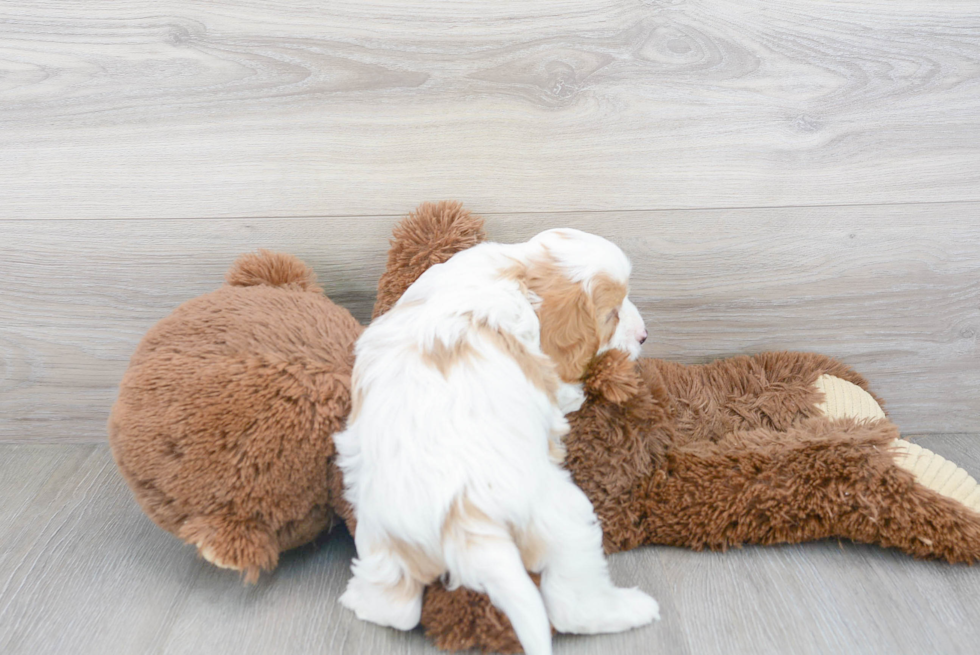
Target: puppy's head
579,283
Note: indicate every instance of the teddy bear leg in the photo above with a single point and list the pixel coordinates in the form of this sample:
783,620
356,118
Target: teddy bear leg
463,619
228,543
843,399
564,543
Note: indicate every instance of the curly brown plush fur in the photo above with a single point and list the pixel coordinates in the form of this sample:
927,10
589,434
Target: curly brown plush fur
224,419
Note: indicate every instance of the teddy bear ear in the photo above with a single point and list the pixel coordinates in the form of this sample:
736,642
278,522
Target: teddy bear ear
430,235
613,376
274,269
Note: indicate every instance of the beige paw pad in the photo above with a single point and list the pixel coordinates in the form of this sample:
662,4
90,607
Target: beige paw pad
843,399
937,473
208,554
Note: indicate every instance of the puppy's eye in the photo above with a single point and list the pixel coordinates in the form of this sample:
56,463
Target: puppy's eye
613,315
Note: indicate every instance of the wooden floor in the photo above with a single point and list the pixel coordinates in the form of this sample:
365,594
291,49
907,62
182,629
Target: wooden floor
82,571
796,175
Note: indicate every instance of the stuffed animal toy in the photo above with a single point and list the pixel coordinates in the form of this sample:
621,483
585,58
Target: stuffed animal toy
224,421
223,426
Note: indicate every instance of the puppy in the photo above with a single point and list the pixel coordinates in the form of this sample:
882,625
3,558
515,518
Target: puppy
451,455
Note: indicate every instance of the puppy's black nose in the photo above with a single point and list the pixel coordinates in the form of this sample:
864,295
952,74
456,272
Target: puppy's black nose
643,336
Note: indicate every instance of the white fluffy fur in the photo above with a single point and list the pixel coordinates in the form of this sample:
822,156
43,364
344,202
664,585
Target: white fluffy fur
453,466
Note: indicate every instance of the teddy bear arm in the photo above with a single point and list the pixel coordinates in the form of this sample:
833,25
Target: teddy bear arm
430,235
767,390
765,487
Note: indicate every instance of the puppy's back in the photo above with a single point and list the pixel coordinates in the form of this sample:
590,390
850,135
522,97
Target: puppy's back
436,382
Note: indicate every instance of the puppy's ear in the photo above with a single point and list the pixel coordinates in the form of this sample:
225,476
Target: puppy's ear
607,295
567,316
430,235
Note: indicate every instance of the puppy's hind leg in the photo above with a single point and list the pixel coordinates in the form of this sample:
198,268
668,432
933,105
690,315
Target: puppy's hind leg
485,559
578,592
385,588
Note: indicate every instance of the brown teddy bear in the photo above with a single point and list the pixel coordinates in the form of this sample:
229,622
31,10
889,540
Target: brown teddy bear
223,425
224,422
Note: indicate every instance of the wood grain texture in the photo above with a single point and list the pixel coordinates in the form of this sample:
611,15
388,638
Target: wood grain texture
82,570
240,108
893,291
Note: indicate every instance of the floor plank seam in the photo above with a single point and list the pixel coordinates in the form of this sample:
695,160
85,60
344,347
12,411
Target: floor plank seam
516,212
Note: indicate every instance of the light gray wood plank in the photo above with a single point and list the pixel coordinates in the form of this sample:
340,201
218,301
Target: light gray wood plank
816,598
83,571
894,291
172,108
79,295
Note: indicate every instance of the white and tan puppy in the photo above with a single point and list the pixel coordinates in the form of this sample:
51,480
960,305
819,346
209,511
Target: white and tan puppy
452,452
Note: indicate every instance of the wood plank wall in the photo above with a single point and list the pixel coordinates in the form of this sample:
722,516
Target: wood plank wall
799,175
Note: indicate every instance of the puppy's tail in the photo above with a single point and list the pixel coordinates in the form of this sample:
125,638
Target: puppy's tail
430,235
488,560
274,269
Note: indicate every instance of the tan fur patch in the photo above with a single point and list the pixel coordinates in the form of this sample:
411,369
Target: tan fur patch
538,370
607,296
532,548
569,325
407,304
406,589
517,273
464,520
422,569
462,515
444,358
556,451
356,399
